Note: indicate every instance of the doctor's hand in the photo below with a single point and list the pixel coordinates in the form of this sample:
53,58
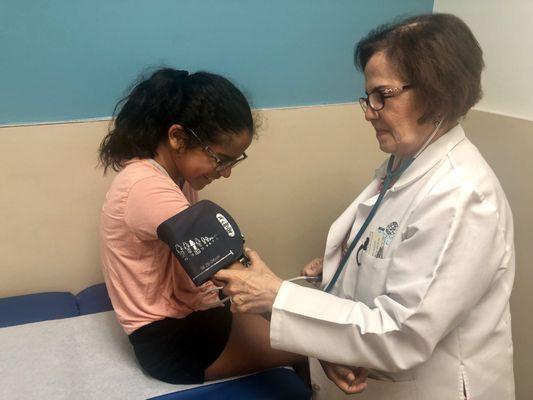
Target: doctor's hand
349,379
314,268
252,289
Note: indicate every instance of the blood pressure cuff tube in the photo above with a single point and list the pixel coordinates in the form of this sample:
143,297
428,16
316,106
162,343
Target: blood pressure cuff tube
204,238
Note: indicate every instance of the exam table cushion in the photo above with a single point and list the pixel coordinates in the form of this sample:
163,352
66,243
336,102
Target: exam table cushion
273,384
18,310
94,299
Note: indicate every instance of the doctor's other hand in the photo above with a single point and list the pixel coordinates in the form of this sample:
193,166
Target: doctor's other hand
314,269
251,290
349,379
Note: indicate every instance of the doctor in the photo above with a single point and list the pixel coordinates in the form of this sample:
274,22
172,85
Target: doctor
418,270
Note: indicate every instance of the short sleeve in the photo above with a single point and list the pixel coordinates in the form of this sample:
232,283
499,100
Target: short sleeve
190,193
152,201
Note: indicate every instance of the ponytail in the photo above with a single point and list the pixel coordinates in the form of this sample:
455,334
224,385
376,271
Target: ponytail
207,103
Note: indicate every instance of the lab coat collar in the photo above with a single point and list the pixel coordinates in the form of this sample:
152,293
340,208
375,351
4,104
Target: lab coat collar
434,153
427,159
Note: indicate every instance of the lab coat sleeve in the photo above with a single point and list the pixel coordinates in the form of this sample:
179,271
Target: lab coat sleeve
450,251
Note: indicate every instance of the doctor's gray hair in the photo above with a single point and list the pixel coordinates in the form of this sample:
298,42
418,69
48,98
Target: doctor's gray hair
435,53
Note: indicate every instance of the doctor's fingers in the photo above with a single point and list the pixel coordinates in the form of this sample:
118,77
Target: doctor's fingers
249,304
233,283
349,380
227,275
353,388
313,267
252,254
237,265
256,263
236,304
361,374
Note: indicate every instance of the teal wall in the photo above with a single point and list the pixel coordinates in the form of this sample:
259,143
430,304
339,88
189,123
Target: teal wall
73,59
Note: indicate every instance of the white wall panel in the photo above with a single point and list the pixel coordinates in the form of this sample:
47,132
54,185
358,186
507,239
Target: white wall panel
505,31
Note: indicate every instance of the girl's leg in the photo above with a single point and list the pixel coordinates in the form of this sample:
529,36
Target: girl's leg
248,350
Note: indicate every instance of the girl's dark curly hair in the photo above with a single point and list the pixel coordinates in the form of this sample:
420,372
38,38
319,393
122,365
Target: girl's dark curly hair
206,103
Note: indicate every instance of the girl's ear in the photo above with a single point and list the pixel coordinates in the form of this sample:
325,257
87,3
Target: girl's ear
177,137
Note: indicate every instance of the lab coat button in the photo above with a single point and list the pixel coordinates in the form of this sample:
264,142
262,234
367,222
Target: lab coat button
315,387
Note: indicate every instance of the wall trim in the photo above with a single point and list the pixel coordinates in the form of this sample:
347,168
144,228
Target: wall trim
503,114
109,118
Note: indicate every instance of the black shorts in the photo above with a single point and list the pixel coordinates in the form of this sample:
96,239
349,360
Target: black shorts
178,351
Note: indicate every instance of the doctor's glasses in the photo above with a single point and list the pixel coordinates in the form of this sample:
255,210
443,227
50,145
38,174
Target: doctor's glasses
376,98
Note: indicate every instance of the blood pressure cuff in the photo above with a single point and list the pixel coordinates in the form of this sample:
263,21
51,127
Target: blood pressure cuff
204,238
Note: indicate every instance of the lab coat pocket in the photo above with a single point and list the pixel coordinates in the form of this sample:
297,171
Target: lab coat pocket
371,278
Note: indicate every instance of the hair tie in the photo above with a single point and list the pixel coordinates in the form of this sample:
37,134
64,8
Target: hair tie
182,74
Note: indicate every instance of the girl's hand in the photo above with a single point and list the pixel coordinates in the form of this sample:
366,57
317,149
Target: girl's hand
208,297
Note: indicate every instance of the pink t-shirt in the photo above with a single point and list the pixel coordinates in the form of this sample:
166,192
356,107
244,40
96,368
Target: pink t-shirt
144,280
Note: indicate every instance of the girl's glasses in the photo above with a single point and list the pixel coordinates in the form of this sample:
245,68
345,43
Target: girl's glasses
221,164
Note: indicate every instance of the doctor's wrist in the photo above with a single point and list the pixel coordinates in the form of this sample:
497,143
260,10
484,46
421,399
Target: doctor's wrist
272,289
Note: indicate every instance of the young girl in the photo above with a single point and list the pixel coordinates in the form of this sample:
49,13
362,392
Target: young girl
175,133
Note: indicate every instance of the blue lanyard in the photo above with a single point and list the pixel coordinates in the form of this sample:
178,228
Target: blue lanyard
388,180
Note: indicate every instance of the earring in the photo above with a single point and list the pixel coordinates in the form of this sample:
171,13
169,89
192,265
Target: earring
437,120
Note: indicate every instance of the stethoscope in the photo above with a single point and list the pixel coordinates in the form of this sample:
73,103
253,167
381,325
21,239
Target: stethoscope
390,177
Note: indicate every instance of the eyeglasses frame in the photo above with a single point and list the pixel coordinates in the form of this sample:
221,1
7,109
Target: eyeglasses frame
221,165
385,93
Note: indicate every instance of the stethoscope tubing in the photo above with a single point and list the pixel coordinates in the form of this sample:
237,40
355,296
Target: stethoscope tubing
389,178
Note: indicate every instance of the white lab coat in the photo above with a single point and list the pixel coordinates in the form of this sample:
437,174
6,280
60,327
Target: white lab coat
427,309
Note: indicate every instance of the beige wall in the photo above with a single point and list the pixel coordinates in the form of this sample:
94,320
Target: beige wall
306,166
303,170
50,199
